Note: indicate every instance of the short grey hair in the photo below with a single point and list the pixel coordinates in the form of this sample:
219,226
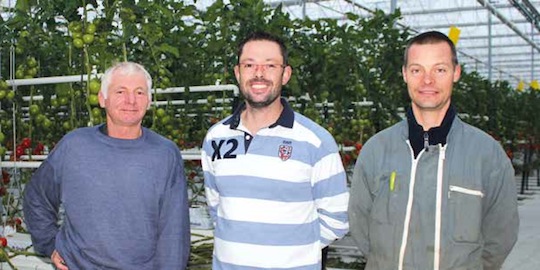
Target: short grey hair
126,68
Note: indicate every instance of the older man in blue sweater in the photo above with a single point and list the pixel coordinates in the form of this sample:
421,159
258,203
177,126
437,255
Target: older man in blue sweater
122,187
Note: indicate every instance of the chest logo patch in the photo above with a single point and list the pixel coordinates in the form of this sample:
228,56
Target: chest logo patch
285,152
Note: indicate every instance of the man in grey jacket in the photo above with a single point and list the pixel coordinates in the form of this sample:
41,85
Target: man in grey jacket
433,192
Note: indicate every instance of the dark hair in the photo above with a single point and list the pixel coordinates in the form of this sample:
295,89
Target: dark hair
259,36
431,37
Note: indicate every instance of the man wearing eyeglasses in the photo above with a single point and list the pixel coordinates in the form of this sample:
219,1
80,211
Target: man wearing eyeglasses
275,183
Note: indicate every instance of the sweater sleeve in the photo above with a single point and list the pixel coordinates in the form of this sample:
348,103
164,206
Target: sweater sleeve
500,224
331,197
174,232
360,205
40,207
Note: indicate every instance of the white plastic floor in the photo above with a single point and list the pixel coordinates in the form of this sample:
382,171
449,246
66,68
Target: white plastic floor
526,252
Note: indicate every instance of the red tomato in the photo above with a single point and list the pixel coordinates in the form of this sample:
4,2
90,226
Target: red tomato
358,147
26,142
3,241
19,151
5,174
40,146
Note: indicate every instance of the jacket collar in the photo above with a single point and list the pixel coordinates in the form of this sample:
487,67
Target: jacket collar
435,135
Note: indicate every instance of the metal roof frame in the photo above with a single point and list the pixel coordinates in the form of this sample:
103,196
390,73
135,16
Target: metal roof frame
493,33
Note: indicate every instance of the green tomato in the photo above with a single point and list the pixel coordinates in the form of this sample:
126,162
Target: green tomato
166,82
77,35
19,50
19,74
75,26
32,72
72,26
63,101
160,112
96,112
91,28
62,90
34,109
162,72
40,118
54,103
93,100
78,43
3,94
88,39
2,137
31,62
94,85
66,125
3,85
165,120
46,123
10,95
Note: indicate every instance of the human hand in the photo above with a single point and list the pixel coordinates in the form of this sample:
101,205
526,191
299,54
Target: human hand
58,261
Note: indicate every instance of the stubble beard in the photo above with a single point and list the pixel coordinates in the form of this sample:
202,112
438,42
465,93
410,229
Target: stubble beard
270,98
261,104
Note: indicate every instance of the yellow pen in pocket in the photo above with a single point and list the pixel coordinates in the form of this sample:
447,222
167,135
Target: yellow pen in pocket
392,180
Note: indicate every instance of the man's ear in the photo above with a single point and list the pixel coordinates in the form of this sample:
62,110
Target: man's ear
457,73
101,100
404,74
287,73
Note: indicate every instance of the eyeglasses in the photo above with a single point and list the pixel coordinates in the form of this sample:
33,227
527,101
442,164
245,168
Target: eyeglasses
250,67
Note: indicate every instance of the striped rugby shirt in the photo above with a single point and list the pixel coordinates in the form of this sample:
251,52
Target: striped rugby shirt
276,198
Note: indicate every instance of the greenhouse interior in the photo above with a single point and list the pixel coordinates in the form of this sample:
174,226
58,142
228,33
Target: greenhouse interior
346,56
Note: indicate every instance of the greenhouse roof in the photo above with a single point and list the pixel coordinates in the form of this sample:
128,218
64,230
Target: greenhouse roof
511,28
503,34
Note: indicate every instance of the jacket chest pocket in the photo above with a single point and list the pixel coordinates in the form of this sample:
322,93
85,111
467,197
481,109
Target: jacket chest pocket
388,199
465,205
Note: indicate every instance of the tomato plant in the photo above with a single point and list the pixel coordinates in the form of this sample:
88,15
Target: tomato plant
336,66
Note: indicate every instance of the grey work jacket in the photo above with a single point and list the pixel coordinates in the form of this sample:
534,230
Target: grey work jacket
453,207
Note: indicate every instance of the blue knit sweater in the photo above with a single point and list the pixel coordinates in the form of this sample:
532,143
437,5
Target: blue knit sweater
125,202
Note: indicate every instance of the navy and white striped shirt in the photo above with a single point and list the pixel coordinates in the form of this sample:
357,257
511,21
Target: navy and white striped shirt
276,198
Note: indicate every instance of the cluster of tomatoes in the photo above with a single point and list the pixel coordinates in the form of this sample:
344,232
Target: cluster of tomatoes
350,157
25,147
82,36
6,178
5,92
28,69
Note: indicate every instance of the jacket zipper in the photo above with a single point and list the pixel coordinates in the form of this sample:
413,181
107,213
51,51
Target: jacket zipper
438,209
410,199
426,141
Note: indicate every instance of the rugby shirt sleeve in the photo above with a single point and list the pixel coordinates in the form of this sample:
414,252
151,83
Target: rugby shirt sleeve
212,193
331,196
